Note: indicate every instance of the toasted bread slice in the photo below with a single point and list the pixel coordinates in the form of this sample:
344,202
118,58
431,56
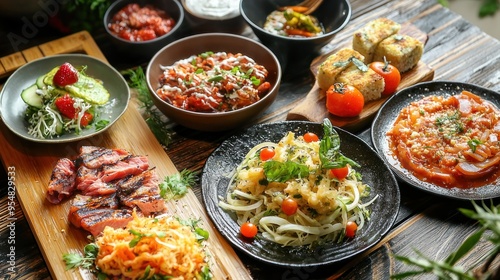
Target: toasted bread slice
368,82
333,65
366,39
402,51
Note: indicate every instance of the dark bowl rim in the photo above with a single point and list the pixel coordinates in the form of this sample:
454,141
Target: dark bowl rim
298,39
121,3
273,90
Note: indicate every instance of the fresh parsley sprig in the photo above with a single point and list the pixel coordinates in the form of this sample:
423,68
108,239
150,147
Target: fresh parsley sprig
176,185
74,260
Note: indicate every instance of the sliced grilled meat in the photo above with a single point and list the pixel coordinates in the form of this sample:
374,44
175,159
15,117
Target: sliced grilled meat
62,181
142,191
115,218
95,157
132,165
83,206
95,181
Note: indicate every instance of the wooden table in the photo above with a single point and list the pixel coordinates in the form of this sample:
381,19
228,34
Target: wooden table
456,50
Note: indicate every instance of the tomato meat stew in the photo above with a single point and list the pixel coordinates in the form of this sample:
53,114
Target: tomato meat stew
213,82
449,141
136,24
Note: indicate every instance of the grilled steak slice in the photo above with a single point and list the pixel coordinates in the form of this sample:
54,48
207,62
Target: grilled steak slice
85,177
142,191
95,157
62,181
132,165
115,218
95,181
83,206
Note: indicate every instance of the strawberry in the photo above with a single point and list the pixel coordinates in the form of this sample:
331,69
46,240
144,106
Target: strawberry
65,105
66,75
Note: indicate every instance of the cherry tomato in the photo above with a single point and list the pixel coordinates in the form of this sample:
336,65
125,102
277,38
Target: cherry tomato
248,230
340,173
344,100
86,119
350,229
390,73
289,206
310,137
267,154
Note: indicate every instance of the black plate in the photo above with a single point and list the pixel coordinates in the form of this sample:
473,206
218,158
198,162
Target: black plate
376,173
388,113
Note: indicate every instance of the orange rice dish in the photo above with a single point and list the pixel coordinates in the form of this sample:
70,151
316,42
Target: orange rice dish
150,246
449,141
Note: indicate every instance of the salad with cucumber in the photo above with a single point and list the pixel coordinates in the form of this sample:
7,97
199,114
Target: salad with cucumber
65,100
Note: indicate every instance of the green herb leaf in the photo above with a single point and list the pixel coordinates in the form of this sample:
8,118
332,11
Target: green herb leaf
276,171
217,78
136,239
466,246
206,54
473,143
86,261
101,124
176,185
360,64
329,149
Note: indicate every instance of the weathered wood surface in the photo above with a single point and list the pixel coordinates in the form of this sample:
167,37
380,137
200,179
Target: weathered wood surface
455,50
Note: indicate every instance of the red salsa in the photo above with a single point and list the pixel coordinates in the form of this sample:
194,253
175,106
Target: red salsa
135,23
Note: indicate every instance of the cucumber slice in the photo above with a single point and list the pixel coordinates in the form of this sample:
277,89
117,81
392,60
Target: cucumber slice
89,89
31,98
39,82
59,127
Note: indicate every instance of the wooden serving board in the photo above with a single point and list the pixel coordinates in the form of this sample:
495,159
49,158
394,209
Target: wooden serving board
30,164
313,106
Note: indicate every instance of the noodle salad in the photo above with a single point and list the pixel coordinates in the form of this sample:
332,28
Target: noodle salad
299,191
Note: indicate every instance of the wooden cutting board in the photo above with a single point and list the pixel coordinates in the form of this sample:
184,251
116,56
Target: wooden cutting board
30,165
313,108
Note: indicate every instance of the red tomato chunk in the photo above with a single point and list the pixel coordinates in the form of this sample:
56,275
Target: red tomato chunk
135,23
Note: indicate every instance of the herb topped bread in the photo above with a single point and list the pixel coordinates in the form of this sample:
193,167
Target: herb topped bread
366,39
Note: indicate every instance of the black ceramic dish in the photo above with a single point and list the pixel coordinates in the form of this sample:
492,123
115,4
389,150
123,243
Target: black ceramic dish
146,49
333,15
376,173
388,113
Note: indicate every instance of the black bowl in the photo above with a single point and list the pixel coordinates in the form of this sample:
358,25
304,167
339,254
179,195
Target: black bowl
146,49
333,15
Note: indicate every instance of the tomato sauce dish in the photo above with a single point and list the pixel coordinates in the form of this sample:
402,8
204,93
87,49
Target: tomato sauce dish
139,28
442,137
213,81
